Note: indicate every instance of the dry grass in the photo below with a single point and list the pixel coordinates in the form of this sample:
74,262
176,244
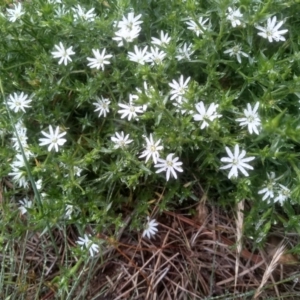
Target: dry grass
190,258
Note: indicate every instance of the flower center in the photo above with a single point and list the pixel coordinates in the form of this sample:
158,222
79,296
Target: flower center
235,162
251,119
181,91
169,163
269,32
152,148
236,49
130,25
157,60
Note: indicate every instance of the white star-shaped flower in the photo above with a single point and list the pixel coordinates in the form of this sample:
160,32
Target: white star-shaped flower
100,59
236,50
150,228
163,41
268,188
39,184
156,56
152,149
19,161
251,119
129,22
206,115
53,139
184,52
126,35
169,165
179,88
139,55
60,11
18,102
120,140
102,105
283,194
271,31
88,243
62,53
130,110
198,27
234,16
24,205
81,14
18,176
68,211
15,13
20,137
236,161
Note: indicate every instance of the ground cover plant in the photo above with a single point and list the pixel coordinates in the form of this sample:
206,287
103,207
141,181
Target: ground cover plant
136,135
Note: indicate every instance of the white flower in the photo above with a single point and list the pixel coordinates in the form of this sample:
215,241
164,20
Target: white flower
169,165
150,228
268,188
54,139
22,134
68,211
77,171
129,110
179,88
234,17
19,161
251,119
15,13
62,53
139,55
60,11
39,184
147,91
283,194
152,149
120,140
20,126
236,50
18,176
197,28
102,105
271,31
163,41
18,102
128,36
237,161
206,115
129,28
156,56
130,22
179,103
100,59
87,243
185,52
24,205
81,14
